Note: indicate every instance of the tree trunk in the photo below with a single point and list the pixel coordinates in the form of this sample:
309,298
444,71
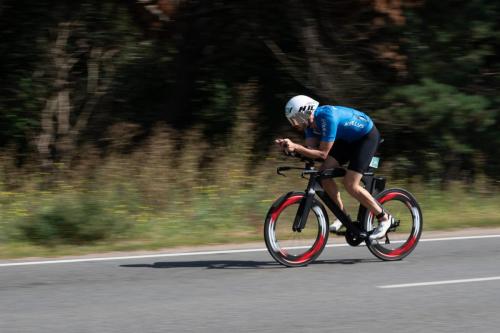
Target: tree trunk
59,134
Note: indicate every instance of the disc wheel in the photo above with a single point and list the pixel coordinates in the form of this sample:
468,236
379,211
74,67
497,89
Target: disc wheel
293,248
404,234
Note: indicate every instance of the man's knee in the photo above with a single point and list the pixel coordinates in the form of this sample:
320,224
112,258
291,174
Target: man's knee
329,163
351,185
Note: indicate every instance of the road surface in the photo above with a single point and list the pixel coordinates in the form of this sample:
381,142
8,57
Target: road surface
445,285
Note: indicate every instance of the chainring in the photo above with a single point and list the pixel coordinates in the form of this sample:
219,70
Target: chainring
352,239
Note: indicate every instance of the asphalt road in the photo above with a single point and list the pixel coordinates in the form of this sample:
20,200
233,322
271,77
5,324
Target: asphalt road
346,290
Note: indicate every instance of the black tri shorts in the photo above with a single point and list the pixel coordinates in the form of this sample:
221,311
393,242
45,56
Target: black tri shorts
358,153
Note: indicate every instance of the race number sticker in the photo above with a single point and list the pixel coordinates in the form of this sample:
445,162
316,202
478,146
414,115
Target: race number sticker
374,162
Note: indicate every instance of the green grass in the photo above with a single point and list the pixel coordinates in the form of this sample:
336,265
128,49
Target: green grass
459,207
198,216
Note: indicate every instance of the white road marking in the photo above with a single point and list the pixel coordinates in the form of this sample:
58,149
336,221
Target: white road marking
436,283
165,255
457,238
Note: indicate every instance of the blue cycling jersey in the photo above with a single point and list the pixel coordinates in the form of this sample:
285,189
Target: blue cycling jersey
339,122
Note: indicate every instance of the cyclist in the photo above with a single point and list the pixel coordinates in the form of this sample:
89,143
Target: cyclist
338,135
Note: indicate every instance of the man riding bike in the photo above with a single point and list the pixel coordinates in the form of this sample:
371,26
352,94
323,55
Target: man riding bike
338,135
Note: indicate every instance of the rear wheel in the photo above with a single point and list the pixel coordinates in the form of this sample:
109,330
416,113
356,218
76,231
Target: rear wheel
292,248
403,236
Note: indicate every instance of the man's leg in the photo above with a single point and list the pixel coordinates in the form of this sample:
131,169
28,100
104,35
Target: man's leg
329,184
353,187
332,190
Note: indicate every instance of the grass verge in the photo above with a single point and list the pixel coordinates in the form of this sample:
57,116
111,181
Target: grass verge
206,215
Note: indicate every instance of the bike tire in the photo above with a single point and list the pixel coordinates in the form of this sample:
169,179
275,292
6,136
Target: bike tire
315,234
406,235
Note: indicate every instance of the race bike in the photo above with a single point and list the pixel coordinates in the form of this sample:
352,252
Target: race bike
296,228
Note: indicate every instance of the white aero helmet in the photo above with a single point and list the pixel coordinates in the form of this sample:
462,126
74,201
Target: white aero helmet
299,108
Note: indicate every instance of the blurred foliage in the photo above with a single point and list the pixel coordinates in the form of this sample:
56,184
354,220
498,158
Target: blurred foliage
77,219
441,118
168,140
441,121
431,84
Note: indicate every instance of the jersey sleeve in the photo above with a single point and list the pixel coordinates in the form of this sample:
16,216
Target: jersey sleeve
328,127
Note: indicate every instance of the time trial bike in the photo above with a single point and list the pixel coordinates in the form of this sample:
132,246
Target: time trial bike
296,227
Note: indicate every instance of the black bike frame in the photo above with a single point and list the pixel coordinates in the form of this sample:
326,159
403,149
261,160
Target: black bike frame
373,185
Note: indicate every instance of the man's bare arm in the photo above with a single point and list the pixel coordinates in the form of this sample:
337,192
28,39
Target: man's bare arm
320,153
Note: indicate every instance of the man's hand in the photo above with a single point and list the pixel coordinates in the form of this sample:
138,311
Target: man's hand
286,145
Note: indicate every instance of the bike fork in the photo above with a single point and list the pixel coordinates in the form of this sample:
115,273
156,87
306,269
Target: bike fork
304,207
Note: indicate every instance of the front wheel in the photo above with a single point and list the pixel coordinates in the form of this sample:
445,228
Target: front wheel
403,236
292,248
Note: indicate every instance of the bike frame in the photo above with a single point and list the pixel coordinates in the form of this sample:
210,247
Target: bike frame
373,184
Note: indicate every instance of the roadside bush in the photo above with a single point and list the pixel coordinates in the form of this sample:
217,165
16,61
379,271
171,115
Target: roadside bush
74,220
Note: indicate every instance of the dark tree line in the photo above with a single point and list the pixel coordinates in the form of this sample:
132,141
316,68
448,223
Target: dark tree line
427,71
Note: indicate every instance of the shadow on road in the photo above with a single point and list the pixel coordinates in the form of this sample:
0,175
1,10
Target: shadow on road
210,264
239,264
